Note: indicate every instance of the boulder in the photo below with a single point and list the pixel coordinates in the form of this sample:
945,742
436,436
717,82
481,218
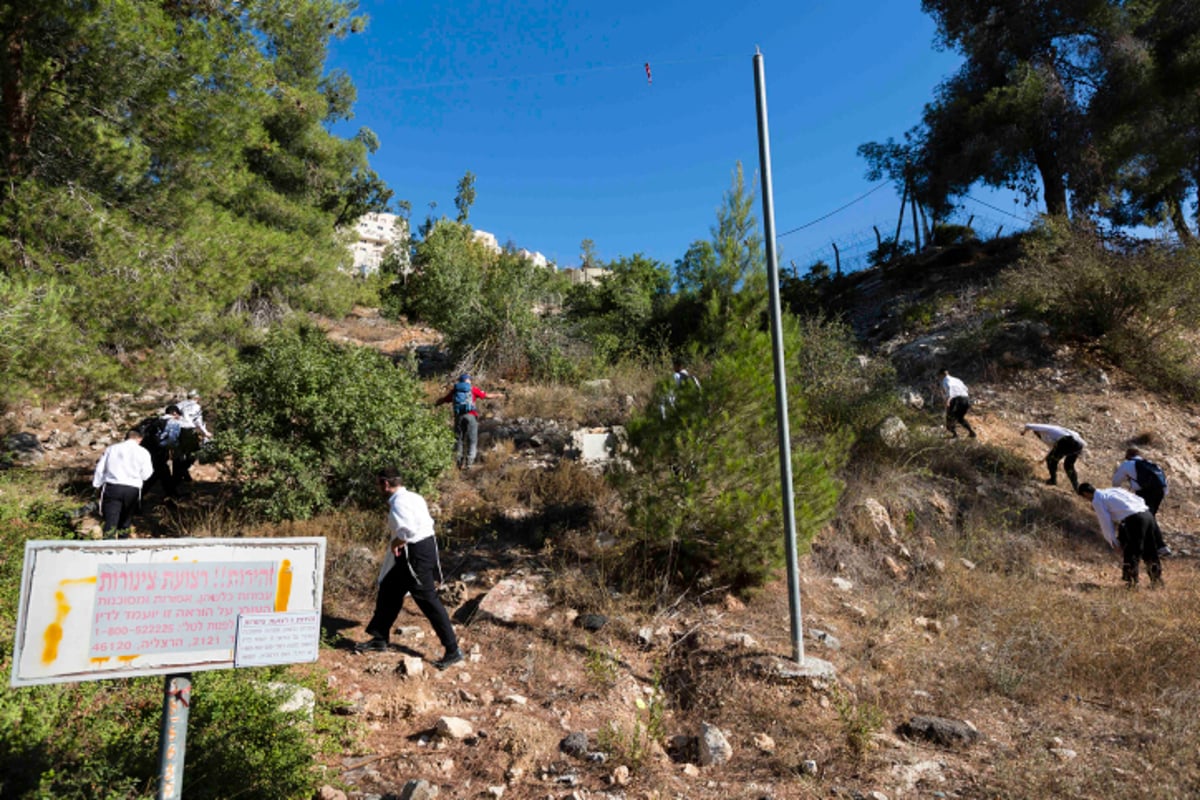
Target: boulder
454,728
515,598
893,432
714,747
940,730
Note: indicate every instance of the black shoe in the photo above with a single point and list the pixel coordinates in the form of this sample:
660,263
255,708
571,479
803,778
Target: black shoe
1051,482
372,645
449,660
971,434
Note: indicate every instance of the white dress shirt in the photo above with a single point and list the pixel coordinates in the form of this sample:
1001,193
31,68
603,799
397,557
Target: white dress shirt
953,388
127,464
1052,433
408,520
193,416
1114,505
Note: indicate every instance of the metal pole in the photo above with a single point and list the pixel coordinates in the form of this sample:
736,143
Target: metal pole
177,696
781,405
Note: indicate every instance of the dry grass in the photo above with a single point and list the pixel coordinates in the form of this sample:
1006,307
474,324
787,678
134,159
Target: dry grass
609,401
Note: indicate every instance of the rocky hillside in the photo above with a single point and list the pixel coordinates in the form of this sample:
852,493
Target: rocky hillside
980,643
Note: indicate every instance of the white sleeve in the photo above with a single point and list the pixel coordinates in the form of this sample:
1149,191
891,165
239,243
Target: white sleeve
98,475
1106,524
1122,474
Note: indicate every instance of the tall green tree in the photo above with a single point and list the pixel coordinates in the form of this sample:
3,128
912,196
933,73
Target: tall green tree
1014,114
721,282
169,172
1147,109
464,198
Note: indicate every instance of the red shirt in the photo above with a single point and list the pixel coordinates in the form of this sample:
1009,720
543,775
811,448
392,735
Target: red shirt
476,394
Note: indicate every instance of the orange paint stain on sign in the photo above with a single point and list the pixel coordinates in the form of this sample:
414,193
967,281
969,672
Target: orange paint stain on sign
52,636
283,589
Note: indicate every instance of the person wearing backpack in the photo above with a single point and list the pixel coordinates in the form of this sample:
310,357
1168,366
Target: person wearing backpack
463,395
1145,479
160,435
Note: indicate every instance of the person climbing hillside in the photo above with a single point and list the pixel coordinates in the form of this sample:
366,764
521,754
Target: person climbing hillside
408,568
1065,445
463,395
957,403
1136,530
1147,480
680,378
119,475
192,435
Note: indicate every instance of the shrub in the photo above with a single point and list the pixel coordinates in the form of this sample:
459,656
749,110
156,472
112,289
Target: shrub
703,489
1139,301
311,422
100,740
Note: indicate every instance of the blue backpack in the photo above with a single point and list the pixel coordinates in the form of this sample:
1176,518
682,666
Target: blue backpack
1149,474
464,401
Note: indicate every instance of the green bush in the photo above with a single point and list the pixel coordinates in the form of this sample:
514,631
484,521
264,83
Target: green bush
703,489
100,739
1140,301
310,422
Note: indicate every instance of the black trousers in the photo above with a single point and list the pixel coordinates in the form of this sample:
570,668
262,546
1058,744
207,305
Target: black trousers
956,413
160,458
1138,535
1153,497
413,574
117,504
1066,449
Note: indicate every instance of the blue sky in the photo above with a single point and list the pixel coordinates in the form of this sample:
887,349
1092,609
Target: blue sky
549,106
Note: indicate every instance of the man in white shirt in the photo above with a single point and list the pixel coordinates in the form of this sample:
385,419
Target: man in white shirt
957,403
1065,445
1126,521
119,476
1145,479
193,433
408,568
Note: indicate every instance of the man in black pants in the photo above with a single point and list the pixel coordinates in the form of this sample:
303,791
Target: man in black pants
409,568
1136,531
1145,479
119,476
957,403
1065,445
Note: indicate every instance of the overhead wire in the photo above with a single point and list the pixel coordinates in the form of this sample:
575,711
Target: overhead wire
996,209
639,66
824,217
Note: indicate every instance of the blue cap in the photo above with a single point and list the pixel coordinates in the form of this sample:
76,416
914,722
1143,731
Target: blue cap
464,377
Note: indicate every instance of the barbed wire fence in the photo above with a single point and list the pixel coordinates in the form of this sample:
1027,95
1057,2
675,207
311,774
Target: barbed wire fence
849,250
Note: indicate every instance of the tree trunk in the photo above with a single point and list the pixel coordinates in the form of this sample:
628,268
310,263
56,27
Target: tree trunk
1180,224
14,99
1054,185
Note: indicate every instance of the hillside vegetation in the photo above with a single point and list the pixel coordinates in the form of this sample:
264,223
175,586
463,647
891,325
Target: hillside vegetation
949,580
175,214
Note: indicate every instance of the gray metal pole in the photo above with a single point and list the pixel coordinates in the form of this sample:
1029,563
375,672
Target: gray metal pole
177,697
781,405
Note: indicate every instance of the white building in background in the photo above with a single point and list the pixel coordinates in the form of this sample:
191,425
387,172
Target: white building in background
488,240
592,275
376,231
537,258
